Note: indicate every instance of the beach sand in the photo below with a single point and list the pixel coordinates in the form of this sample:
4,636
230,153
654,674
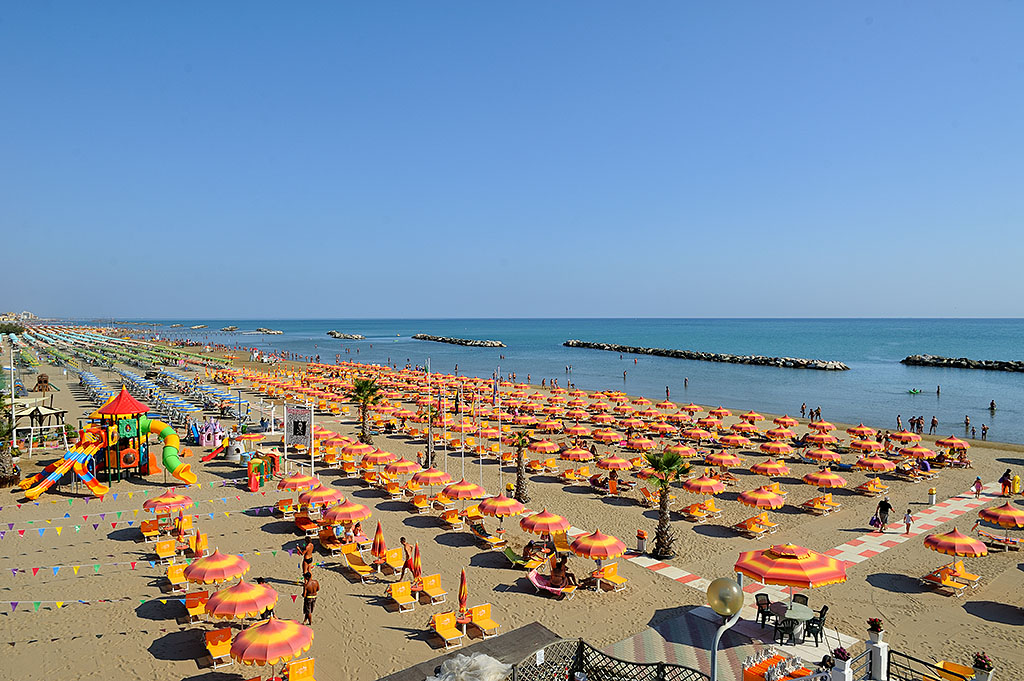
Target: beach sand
359,636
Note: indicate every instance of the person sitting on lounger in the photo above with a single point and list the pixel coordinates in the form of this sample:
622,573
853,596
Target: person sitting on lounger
598,481
532,550
560,576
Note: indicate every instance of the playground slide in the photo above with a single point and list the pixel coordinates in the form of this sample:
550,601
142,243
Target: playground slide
39,483
215,452
176,466
81,468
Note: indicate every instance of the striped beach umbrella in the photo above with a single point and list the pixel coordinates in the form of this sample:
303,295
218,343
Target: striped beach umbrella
904,437
215,568
614,463
825,478
240,601
709,423
726,459
691,408
379,548
642,402
719,412
955,543
489,433
770,468
271,641
776,448
577,414
600,405
432,477
543,447
357,449
639,444
347,512
576,454
779,433
661,428
751,417
544,523
463,489
762,497
378,458
666,405
577,430
918,452
679,417
875,463
462,427
402,467
821,426
1004,516
821,439
867,445
734,440
633,423
321,496
821,454
606,435
602,419
597,546
861,431
550,426
743,428
249,437
298,482
501,507
792,566
696,434
682,450
463,592
952,443
785,421
167,502
704,485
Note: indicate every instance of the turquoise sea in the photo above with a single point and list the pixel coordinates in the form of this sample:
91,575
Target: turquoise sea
874,391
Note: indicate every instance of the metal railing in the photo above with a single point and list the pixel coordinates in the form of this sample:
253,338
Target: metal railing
562,659
861,666
903,667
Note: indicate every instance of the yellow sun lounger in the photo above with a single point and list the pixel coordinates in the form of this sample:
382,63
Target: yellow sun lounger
401,594
610,574
444,625
480,617
218,644
354,562
431,588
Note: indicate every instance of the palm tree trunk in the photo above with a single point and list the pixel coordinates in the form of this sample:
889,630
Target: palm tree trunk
663,535
522,496
365,437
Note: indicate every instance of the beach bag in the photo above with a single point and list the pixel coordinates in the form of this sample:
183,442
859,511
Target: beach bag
875,521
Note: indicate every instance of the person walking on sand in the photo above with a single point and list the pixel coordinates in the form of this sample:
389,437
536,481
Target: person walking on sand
1006,481
908,520
310,588
978,486
407,565
883,510
307,557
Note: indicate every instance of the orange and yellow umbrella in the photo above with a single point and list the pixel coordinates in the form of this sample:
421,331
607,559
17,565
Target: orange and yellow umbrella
824,478
821,439
690,408
544,523
240,601
378,458
543,447
347,512
357,449
821,454
704,485
597,546
709,423
463,489
168,501
501,507
1004,516
577,431
867,445
249,437
743,427
792,566
682,450
861,431
666,405
661,428
751,417
463,592
679,417
726,459
770,468
614,463
606,435
432,477
489,433
576,454
298,481
321,496
785,421
719,412
954,543
904,437
379,548
779,433
821,426
875,463
639,444
917,452
733,440
216,567
696,434
762,497
952,443
776,448
402,467
631,422
271,641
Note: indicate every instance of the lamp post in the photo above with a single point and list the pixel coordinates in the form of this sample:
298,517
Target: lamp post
726,598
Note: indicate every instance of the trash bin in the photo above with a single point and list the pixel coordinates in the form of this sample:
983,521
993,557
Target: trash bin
641,541
931,496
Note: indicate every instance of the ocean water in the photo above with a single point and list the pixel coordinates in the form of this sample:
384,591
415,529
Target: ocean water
874,391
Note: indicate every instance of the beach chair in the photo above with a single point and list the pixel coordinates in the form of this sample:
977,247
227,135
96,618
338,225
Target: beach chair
750,528
480,617
727,478
166,550
583,472
543,583
868,489
763,521
648,498
394,490
412,488
777,488
286,508
472,514
711,508
195,605
444,626
150,530
348,469
218,645
561,540
610,574
534,466
832,505
306,525
613,487
519,562
951,671
394,559
176,578
431,587
569,475
550,465
996,542
329,541
401,594
695,513
815,506
370,478
941,581
299,670
494,542
354,562
961,575
420,505
442,503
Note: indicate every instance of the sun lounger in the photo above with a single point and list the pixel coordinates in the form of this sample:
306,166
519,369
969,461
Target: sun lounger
413,489
472,514
452,519
520,562
777,488
306,525
561,540
695,513
420,505
166,550
329,541
348,470
763,521
354,562
543,583
370,478
195,605
176,578
941,580
827,501
816,506
401,594
995,541
494,542
442,503
648,498
750,528
868,489
444,625
951,671
299,670
394,559
150,530
550,465
394,490
218,644
712,509
569,475
285,508
480,617
610,574
431,587
961,575
534,466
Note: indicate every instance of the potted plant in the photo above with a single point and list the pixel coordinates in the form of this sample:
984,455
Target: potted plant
982,667
842,657
875,629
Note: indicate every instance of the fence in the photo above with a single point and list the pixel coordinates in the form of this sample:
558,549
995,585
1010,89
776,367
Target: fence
562,659
903,667
860,666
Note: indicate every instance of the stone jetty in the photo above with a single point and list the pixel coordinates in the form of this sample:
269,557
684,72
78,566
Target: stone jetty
757,360
461,341
345,336
269,332
963,363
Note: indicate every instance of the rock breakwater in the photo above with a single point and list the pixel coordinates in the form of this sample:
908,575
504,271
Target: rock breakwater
345,336
461,341
757,360
963,363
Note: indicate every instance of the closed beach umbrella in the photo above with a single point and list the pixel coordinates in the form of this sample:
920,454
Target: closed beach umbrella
875,463
867,445
463,489
167,502
543,447
704,485
597,546
861,431
820,454
821,426
792,566
432,477
751,417
271,641
298,482
402,467
952,443
904,437
771,468
825,478
576,454
918,452
501,507
776,448
779,433
240,601
463,592
544,523
762,497
614,463
785,421
734,441
379,548
321,496
215,568
722,459
417,563
347,512
954,543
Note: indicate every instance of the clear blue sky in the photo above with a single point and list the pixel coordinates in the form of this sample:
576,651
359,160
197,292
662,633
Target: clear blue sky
512,159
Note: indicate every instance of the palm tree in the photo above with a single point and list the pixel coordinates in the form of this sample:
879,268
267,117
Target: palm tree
521,441
8,476
366,392
667,467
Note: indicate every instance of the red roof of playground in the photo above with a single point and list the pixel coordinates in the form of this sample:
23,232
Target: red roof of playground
124,403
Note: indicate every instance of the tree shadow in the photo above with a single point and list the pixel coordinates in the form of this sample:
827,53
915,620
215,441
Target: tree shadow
214,676
423,635
991,611
617,501
1013,461
393,505
178,646
577,489
132,534
895,583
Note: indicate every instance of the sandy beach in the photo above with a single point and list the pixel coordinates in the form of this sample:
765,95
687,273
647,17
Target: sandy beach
127,627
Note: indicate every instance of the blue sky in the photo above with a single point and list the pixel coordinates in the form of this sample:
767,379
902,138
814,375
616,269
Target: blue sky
513,159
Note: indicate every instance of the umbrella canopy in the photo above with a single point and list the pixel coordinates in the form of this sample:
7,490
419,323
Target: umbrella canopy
952,443
696,434
168,501
463,592
681,449
704,485
577,431
719,412
249,437
639,444
614,463
770,468
357,449
821,426
402,467
734,440
819,454
690,408
463,489
544,523
378,458
321,496
597,546
709,423
1004,516
489,433
501,507
216,567
821,439
576,454
379,548
347,512
543,447
298,481
606,435
762,497
875,463
825,478
779,433
776,448
785,421
904,437
867,445
743,427
751,417
271,641
954,543
722,459
918,452
240,601
666,405
791,565
861,431
432,477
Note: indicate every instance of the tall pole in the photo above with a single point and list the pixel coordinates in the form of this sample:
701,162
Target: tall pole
312,439
726,625
14,435
497,393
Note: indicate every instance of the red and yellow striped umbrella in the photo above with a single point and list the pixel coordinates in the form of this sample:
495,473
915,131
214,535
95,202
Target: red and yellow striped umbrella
240,601
734,440
904,437
691,408
1004,516
489,433
679,417
347,512
577,431
216,567
379,548
861,431
501,507
743,427
378,458
791,565
785,421
825,478
682,450
168,501
463,592
544,523
298,481
631,422
417,563
821,454
597,546
696,434
867,445
779,433
249,437
357,449
727,459
952,443
821,426
954,543
463,489
602,420
751,417
666,405
719,412
704,485
709,423
432,477
606,435
321,496
821,439
639,444
770,468
875,463
402,467
642,402
550,426
918,452
776,448
661,428
614,463
762,497
271,641
463,427
543,447
576,454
